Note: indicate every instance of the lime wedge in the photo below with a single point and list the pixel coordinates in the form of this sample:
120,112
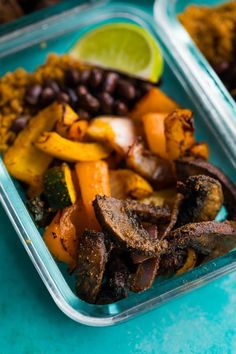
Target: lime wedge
124,47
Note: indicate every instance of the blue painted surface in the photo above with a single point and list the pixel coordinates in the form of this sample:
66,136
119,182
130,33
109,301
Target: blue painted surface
203,321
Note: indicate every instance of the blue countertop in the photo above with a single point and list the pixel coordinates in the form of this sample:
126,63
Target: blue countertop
202,321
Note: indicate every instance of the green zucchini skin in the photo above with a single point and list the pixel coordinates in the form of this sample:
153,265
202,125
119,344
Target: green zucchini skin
55,188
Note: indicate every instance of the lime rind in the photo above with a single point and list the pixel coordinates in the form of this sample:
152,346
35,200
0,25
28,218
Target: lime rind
123,47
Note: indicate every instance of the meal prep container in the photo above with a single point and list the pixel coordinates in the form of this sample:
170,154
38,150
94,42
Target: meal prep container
58,35
36,16
192,63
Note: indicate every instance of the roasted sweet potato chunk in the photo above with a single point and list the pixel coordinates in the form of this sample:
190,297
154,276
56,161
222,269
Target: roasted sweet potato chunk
188,167
179,132
92,258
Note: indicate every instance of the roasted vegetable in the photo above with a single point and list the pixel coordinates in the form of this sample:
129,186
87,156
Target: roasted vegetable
61,236
64,149
148,213
59,187
150,166
159,198
118,133
198,151
126,183
179,133
123,226
67,118
23,160
190,262
145,275
164,232
188,167
92,258
203,199
172,260
155,101
40,210
138,257
77,130
116,284
93,179
154,127
190,235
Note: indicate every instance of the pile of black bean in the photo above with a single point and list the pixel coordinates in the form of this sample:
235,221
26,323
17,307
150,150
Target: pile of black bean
90,92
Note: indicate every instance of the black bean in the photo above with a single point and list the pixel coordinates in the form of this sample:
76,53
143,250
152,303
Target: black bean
72,77
72,95
32,94
110,82
53,84
106,102
126,90
83,114
121,109
84,76
89,103
63,97
47,96
81,91
95,78
145,87
19,123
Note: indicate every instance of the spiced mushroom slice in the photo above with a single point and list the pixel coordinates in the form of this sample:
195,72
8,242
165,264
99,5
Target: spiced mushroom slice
116,286
125,228
203,198
92,258
201,236
174,215
188,167
149,213
155,169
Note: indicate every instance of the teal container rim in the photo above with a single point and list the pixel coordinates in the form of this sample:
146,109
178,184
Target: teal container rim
98,315
40,15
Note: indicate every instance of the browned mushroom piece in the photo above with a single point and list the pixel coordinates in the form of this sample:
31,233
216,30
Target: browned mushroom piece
188,167
92,258
144,275
124,227
149,213
201,236
138,257
157,170
203,199
174,216
173,259
218,245
117,277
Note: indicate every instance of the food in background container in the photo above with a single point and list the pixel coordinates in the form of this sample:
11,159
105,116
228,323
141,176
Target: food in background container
12,9
214,31
112,171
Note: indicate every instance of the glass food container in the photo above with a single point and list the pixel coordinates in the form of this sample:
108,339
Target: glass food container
192,63
38,15
58,35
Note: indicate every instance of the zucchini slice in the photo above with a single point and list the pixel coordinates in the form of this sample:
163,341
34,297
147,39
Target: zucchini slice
59,187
